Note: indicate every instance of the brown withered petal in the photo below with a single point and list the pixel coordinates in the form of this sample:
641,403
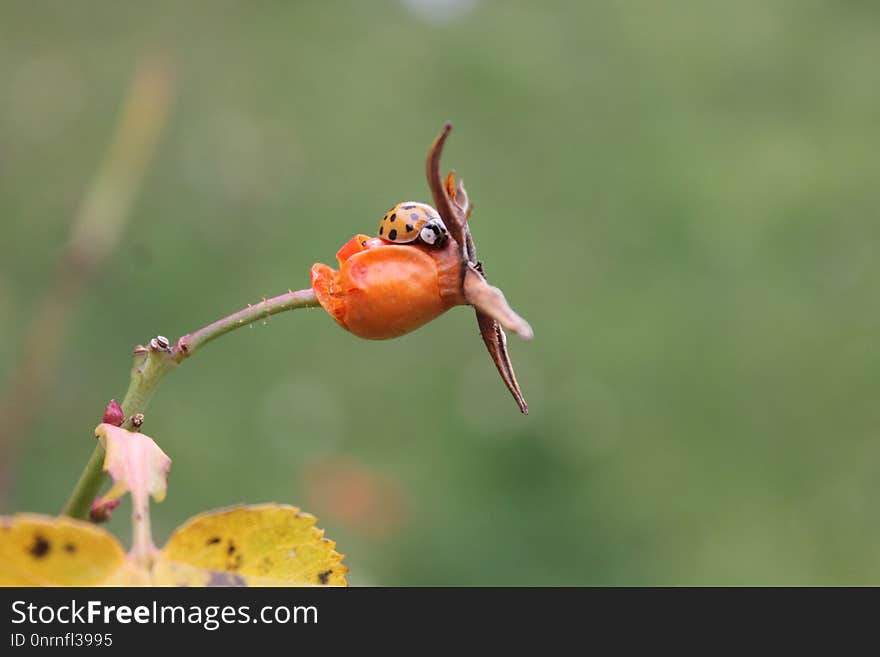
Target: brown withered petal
458,194
496,343
450,186
492,308
490,301
461,199
450,214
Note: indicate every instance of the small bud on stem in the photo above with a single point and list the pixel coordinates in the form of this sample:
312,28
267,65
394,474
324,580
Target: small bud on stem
102,510
113,414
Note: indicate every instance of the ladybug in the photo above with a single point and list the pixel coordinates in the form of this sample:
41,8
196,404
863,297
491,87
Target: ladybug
409,221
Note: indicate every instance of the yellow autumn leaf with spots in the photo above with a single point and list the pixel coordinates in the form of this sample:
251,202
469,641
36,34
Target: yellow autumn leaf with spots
260,545
37,550
264,545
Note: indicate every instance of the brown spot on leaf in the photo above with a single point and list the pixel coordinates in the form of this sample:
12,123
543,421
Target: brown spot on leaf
230,549
213,540
324,576
70,548
40,548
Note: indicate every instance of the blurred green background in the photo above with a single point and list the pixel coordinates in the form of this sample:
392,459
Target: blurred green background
682,198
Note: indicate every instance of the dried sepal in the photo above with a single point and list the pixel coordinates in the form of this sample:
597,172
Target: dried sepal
490,301
496,342
453,217
450,184
458,194
493,312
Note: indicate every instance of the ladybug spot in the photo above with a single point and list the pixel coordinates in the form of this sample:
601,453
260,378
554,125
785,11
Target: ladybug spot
414,216
392,234
409,228
393,217
408,207
381,229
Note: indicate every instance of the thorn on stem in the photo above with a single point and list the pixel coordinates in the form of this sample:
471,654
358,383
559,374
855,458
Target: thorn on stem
137,420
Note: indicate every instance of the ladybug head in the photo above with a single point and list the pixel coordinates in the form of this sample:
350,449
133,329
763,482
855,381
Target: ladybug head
434,233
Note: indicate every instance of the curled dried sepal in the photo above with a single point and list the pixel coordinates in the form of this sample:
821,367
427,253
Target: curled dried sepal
458,194
493,334
452,216
493,311
490,301
461,199
496,342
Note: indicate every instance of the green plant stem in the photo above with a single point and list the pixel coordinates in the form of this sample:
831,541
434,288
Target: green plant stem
150,366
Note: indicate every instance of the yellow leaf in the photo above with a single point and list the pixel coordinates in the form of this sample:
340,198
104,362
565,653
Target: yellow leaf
260,545
37,550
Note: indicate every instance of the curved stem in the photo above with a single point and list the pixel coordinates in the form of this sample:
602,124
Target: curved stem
151,365
268,307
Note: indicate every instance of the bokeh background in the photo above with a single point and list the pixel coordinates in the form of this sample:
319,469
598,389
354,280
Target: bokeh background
682,197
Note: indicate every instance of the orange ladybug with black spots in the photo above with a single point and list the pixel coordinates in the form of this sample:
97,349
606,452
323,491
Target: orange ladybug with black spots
410,221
